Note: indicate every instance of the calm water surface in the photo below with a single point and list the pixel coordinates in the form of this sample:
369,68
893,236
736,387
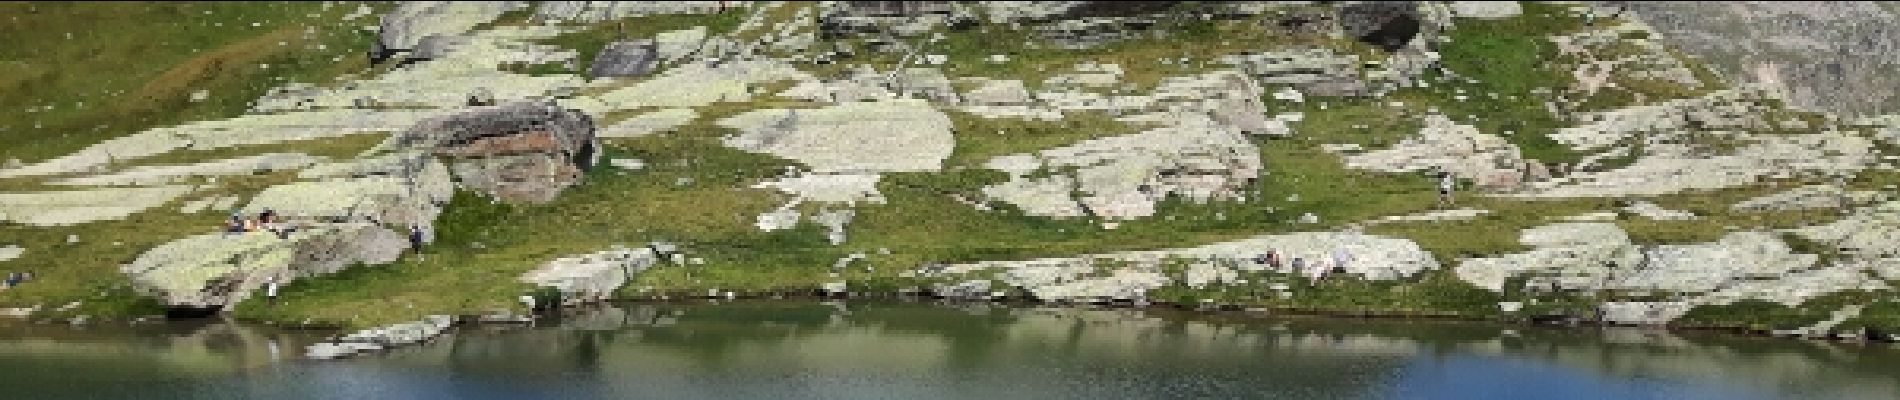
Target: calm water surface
917,351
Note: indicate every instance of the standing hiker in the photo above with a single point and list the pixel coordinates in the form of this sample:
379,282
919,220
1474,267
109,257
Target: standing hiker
415,240
270,291
1445,184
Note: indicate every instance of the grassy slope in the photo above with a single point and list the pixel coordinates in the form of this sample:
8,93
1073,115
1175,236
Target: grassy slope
484,246
134,67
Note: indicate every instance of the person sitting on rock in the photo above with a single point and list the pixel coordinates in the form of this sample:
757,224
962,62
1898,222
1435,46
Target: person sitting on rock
236,225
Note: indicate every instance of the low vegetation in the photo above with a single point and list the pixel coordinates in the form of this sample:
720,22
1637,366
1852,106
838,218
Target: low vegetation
698,193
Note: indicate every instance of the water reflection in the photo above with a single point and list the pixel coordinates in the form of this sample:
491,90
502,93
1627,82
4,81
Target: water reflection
883,350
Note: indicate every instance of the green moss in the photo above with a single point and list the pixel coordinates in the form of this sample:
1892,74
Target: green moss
1882,314
1761,315
1511,58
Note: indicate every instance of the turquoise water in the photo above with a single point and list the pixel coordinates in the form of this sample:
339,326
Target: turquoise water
917,351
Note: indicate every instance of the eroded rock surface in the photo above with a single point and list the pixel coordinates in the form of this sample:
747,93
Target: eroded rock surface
1130,275
219,269
521,152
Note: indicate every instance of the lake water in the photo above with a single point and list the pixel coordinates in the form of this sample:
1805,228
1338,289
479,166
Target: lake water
920,351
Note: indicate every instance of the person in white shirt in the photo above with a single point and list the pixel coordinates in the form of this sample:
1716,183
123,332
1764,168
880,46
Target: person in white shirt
270,290
1445,184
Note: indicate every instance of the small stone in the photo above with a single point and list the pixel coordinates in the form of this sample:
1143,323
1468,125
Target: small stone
628,163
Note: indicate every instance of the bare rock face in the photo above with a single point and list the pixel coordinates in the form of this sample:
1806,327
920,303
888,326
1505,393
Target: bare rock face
1388,24
625,59
404,28
521,152
598,11
903,18
1836,56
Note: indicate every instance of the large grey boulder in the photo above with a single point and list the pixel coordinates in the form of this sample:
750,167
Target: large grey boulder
1388,24
625,59
1126,177
519,152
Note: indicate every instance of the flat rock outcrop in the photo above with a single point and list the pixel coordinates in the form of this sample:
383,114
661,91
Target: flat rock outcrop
220,269
1130,275
1599,257
592,276
405,28
167,174
1124,177
1445,145
81,206
892,136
